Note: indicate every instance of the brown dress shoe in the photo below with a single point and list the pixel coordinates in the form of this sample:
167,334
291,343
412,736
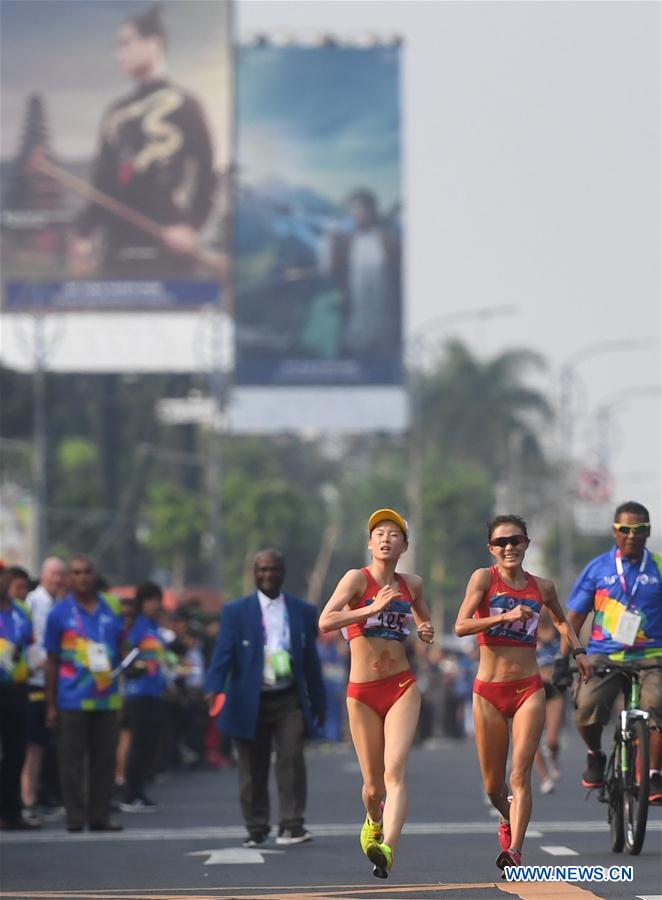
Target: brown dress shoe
19,824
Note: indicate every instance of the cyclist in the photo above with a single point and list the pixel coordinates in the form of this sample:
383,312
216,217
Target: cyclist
502,606
623,590
374,607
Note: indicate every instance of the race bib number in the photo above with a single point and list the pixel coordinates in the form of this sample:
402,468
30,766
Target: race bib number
516,628
97,657
397,622
627,628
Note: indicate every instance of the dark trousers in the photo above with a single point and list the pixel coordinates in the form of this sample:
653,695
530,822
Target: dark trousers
87,743
280,723
144,716
13,741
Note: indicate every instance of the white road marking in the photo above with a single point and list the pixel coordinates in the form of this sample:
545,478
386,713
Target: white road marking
649,897
234,856
559,850
238,832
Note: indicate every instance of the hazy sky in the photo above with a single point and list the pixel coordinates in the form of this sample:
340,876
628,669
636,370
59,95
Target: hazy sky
532,178
531,151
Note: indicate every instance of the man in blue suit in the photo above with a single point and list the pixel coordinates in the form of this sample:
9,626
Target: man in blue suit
265,660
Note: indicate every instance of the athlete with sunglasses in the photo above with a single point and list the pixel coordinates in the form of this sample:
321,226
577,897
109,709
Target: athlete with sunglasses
623,590
376,607
501,607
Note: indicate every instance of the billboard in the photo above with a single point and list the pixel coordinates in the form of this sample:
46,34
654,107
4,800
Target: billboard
317,248
114,153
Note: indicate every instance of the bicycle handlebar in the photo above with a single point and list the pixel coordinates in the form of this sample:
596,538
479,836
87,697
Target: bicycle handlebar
624,668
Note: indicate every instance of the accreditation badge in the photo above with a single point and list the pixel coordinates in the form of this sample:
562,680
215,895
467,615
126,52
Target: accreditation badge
280,660
7,660
268,674
627,628
97,657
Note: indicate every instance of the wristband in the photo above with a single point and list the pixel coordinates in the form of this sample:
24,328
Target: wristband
578,652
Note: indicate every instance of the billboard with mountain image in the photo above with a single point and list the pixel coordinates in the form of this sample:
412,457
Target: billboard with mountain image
318,232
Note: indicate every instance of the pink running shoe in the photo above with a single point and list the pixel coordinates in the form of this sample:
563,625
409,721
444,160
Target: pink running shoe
508,858
505,838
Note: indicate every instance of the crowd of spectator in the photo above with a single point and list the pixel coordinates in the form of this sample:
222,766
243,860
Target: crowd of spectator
136,715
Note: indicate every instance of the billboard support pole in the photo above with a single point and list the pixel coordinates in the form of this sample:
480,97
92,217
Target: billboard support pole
39,436
215,471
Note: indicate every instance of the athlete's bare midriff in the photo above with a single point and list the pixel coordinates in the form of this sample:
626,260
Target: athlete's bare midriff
375,658
506,663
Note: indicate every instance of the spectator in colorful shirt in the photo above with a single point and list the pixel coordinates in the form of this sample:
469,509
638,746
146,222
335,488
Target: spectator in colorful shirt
144,689
623,590
19,586
15,637
82,640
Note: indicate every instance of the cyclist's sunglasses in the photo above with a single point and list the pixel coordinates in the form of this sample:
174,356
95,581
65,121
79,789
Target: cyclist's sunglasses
640,528
513,539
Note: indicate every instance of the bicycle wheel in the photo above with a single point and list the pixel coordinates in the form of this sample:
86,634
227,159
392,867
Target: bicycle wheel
615,800
635,788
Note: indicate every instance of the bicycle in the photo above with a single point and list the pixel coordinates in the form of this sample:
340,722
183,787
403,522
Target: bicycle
627,771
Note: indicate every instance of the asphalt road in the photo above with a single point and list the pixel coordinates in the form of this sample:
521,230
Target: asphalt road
191,846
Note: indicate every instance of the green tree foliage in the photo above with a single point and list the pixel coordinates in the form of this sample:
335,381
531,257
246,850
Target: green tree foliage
173,516
268,512
458,500
135,492
472,413
471,407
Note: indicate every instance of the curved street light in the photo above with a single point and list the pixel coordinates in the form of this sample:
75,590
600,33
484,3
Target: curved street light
566,434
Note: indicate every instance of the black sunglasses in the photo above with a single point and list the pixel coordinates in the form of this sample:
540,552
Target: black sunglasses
513,539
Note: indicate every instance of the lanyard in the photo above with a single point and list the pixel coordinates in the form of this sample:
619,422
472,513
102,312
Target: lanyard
285,634
81,627
621,576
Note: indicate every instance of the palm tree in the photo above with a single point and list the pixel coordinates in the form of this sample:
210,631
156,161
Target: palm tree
474,410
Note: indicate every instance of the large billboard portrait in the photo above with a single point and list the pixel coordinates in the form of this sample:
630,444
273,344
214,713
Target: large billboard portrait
318,216
114,153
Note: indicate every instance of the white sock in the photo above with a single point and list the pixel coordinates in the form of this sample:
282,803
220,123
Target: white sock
652,772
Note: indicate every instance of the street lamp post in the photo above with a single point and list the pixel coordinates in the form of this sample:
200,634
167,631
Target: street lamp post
568,378
603,417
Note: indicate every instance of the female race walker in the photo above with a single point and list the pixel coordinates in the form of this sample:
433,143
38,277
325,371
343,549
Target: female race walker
502,606
374,607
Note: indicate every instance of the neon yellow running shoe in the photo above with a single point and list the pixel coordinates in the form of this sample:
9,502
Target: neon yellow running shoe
371,833
381,857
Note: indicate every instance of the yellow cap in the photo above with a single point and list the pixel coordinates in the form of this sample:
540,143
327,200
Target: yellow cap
382,515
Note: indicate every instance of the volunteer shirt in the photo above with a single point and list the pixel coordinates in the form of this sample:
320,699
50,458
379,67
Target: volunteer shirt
15,637
69,630
146,637
599,588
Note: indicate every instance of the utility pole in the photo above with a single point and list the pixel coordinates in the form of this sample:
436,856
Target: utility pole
39,437
565,517
565,510
218,392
